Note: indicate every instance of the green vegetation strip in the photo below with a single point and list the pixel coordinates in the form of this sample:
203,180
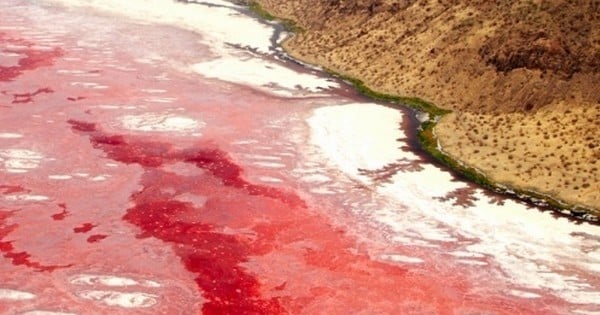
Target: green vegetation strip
262,13
413,102
288,24
426,136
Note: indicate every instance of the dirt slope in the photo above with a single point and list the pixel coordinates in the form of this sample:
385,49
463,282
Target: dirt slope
522,77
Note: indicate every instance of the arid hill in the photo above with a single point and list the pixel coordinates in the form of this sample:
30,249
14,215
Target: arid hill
522,77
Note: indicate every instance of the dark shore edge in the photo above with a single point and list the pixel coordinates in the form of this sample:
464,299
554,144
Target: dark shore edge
430,144
288,24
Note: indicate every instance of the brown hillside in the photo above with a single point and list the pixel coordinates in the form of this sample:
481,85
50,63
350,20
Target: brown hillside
522,77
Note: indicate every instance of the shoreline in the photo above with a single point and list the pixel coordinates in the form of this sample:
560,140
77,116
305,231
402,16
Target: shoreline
427,138
430,144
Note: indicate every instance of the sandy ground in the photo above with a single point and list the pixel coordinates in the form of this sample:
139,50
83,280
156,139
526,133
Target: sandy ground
549,151
526,107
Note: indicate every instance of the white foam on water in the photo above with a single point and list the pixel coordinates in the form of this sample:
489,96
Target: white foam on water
264,75
525,294
99,178
472,262
111,281
16,171
263,157
154,91
152,122
60,177
20,160
149,60
26,198
78,73
401,258
10,135
315,178
120,299
9,54
70,71
108,106
269,164
533,249
465,254
164,100
15,295
245,142
89,85
269,179
594,267
322,191
580,294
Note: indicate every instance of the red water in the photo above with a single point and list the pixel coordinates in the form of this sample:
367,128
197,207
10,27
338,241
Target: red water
177,208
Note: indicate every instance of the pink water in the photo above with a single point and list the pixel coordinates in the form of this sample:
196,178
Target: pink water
132,187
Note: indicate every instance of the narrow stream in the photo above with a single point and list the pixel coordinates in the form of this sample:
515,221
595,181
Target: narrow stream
162,157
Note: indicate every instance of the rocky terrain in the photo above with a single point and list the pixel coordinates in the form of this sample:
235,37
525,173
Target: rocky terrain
521,77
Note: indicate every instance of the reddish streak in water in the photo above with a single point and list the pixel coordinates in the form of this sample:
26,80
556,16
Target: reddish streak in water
19,258
281,286
81,126
21,98
61,215
153,154
74,99
4,228
11,189
216,162
96,238
84,228
22,258
215,257
32,59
